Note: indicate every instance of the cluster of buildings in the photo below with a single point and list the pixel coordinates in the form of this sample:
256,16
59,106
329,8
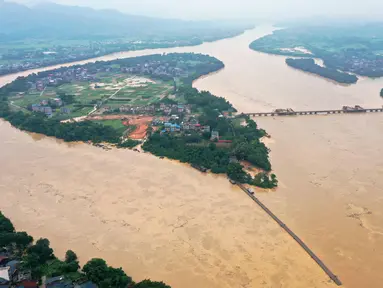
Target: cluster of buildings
165,109
357,61
13,275
62,76
366,65
62,282
186,126
156,68
10,273
47,110
35,58
45,106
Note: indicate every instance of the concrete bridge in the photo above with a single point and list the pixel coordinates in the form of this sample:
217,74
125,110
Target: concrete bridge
290,112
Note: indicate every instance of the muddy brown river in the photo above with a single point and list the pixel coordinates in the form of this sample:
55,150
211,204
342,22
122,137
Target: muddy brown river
162,220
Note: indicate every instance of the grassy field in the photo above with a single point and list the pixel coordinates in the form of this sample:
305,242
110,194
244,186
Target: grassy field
116,124
110,90
151,93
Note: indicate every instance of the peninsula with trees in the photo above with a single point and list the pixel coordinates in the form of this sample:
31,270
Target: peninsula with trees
58,34
309,65
147,104
25,262
347,50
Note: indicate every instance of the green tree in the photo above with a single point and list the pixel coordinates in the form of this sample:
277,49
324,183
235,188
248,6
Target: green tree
104,276
20,239
70,257
71,262
235,171
6,224
151,284
31,261
42,250
381,93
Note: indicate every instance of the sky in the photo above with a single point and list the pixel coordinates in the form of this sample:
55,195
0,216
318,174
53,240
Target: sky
257,9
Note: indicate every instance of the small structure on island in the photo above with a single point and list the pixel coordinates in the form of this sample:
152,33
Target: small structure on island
43,109
65,110
170,127
214,136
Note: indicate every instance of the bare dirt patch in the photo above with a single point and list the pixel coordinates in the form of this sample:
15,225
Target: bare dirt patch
141,123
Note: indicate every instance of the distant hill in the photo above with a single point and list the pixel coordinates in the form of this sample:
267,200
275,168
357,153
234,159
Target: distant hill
49,20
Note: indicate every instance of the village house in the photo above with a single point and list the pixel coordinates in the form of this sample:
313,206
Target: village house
65,110
125,108
56,102
40,86
180,108
206,129
10,273
168,110
214,136
44,102
43,109
170,127
157,122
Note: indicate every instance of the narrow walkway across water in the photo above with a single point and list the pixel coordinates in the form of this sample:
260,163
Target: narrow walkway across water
332,276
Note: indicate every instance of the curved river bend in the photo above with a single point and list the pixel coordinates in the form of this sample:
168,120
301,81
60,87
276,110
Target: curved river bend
163,220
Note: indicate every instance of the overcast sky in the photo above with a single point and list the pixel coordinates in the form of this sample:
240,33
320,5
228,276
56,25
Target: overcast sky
205,9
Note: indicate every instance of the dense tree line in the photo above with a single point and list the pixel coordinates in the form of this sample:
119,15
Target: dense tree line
204,99
309,65
39,258
197,150
77,131
217,159
351,48
129,143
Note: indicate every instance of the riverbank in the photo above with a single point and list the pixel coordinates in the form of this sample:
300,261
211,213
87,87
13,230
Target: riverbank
171,223
125,214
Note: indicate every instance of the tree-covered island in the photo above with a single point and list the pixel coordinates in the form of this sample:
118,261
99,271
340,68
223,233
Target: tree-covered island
347,49
143,103
309,65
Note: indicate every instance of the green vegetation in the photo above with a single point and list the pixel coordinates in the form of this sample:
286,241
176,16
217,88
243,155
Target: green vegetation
237,140
129,143
105,276
381,93
59,34
351,48
41,261
308,65
244,142
150,284
204,99
132,82
115,124
78,131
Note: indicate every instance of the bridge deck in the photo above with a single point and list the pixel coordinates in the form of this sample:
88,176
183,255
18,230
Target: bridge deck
332,276
314,112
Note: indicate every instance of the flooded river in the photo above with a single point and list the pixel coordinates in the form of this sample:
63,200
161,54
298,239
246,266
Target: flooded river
162,220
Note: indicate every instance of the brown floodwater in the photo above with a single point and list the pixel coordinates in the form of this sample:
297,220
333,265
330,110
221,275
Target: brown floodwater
163,220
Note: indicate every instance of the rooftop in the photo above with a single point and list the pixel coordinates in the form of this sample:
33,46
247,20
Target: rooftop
4,273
